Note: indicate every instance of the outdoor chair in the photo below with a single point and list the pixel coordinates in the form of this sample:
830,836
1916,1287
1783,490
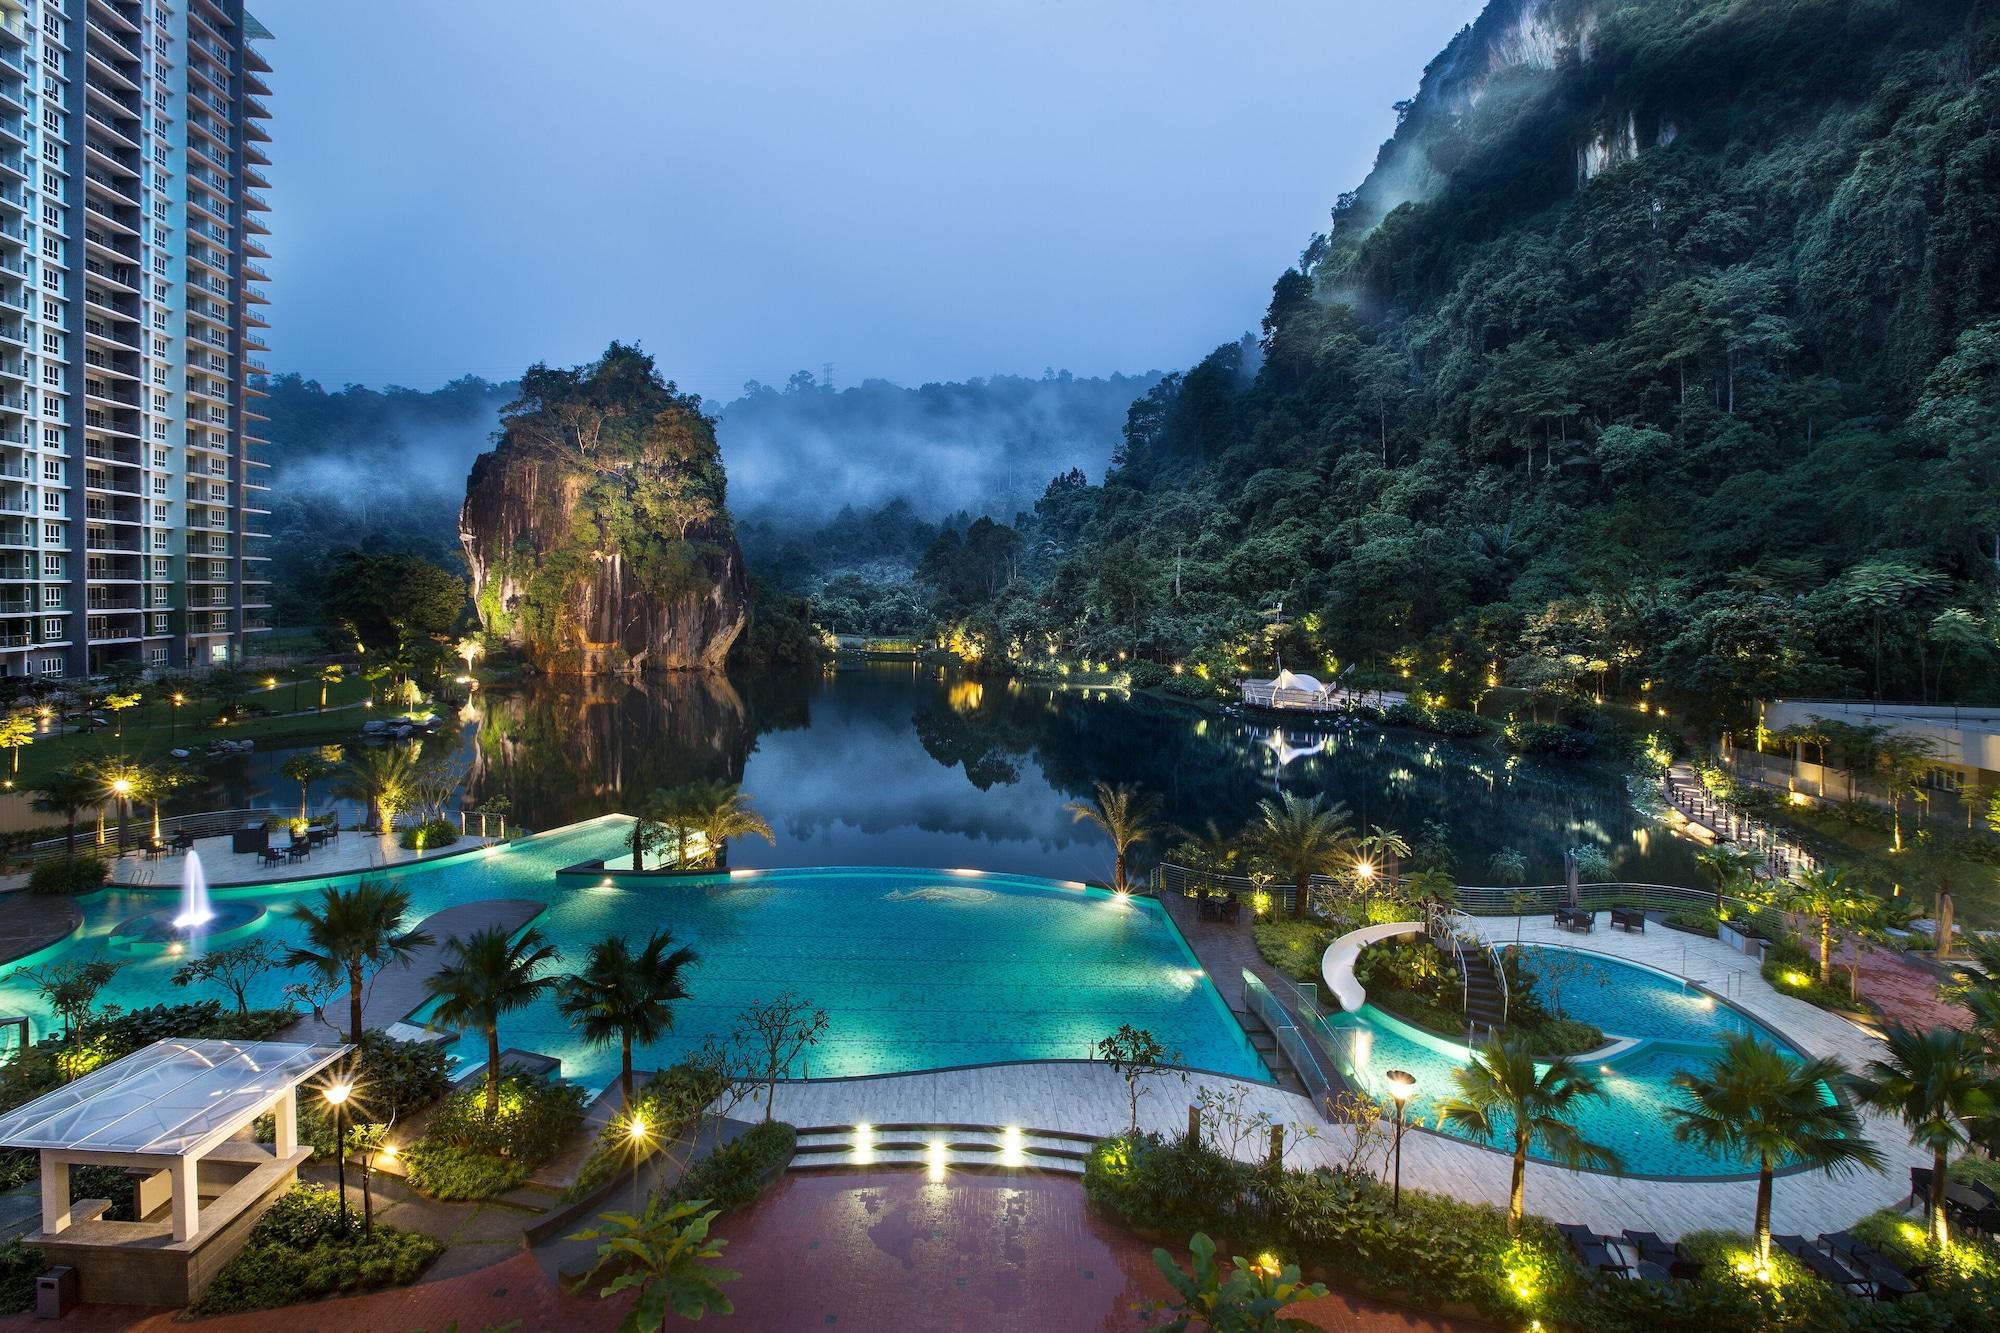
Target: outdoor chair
1232,909
1208,909
1629,919
1575,918
1592,1249
271,856
1822,1265
183,842
297,852
1652,1250
1888,1282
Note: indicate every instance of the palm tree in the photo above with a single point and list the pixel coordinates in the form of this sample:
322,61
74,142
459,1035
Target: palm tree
352,931
17,729
306,767
625,997
1726,868
69,792
666,815
485,976
1303,836
379,780
1937,1082
1389,846
331,674
1502,1088
1829,897
1755,1101
1126,817
720,812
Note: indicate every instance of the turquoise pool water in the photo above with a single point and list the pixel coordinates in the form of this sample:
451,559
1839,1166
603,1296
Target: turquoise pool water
917,969
1674,1027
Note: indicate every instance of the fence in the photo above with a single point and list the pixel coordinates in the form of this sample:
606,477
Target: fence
100,828
1301,1050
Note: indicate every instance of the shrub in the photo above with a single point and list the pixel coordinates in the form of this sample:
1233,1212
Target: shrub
19,1267
1554,740
1793,970
464,1155
1294,947
670,1102
1564,1036
1701,923
253,1025
301,1218
81,875
735,1173
395,1079
1189,687
1438,721
429,835
273,1271
1147,675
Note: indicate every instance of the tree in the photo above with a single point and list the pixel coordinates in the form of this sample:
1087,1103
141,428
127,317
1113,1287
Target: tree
1126,817
1302,837
353,932
380,780
1881,587
774,1033
329,675
665,1253
1939,1084
306,767
119,702
1754,1101
625,997
1247,1300
1389,846
1137,1055
1901,763
233,968
1727,869
16,730
69,792
720,811
1830,898
1502,1086
1508,866
70,989
485,977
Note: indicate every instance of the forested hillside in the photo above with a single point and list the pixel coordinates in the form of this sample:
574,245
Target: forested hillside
1661,342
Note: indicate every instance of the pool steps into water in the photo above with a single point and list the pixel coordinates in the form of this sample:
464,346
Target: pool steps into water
948,1146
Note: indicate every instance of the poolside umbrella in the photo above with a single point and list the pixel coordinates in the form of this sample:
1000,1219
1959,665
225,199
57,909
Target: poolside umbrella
1944,906
1570,873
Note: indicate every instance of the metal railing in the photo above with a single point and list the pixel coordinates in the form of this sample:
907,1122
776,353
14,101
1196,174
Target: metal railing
1302,1051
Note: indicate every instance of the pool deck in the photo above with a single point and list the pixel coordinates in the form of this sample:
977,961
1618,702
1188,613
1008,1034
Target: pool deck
1089,1097
354,852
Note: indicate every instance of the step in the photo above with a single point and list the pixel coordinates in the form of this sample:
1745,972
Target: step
939,1147
926,1161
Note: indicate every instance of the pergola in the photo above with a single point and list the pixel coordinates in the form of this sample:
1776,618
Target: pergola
161,1111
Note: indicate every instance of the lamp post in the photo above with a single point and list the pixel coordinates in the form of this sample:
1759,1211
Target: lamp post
174,716
637,1132
122,789
336,1097
1401,1085
387,1152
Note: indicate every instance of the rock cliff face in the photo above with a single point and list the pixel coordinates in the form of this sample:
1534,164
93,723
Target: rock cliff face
596,533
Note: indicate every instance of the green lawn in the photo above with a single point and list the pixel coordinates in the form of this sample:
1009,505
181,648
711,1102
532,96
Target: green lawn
151,729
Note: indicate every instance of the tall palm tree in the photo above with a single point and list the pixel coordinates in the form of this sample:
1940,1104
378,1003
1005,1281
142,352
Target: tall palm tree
353,931
720,811
1126,817
1938,1083
379,779
1302,836
1503,1090
669,815
625,997
1755,1101
485,976
1830,898
69,792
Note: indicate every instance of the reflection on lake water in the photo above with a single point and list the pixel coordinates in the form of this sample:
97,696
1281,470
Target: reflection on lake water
895,764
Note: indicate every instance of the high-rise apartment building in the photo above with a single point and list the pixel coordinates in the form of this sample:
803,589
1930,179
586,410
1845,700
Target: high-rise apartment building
131,142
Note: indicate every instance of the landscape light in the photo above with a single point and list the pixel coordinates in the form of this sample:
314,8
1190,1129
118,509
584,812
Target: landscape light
638,1128
1401,1085
336,1093
121,786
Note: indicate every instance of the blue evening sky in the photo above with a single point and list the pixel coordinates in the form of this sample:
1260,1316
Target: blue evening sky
910,189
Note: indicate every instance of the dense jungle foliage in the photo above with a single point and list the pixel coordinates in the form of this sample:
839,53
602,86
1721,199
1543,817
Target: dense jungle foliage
1663,342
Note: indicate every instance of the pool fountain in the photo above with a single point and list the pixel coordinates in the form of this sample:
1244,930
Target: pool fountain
198,922
195,909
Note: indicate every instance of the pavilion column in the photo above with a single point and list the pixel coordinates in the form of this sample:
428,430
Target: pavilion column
55,1195
187,1199
286,1114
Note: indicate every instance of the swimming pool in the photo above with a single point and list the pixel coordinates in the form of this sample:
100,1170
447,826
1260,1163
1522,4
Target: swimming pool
917,969
1672,1026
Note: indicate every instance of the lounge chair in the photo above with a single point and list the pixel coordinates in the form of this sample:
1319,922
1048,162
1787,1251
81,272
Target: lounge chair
1824,1266
1592,1249
1652,1250
1889,1282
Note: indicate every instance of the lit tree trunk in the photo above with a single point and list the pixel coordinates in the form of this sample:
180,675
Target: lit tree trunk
1761,1231
492,1070
625,1070
1826,950
1936,1204
354,1002
1118,870
1518,1191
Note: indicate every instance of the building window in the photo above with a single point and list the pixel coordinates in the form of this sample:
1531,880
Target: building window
52,502
52,566
52,310
157,656
52,666
52,597
51,467
52,534
160,458
52,627
51,343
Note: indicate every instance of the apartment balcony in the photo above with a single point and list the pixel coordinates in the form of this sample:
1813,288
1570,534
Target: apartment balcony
99,33
109,601
13,132
114,98
107,158
118,276
14,165
109,452
124,338
108,245
201,205
96,211
106,68
97,178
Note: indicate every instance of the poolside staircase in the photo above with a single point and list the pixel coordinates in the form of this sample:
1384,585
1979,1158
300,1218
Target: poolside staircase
941,1147
1485,1006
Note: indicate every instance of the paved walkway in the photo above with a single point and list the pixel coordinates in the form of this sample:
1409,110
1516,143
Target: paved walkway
31,922
353,852
396,992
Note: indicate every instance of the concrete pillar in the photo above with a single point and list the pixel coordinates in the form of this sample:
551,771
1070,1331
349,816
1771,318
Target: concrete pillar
187,1199
286,1114
55,1195
153,1191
